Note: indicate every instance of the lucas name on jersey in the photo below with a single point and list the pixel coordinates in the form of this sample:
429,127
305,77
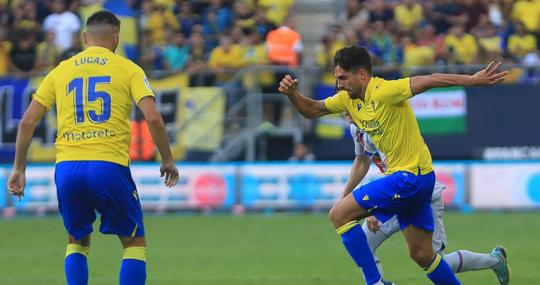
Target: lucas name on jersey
91,60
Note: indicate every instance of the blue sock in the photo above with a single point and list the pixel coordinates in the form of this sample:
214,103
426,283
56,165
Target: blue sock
355,242
440,272
133,269
76,264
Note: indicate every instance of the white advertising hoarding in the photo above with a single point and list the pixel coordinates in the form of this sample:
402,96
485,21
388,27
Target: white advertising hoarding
295,185
505,185
199,187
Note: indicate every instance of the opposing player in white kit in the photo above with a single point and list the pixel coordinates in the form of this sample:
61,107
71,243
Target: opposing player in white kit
377,233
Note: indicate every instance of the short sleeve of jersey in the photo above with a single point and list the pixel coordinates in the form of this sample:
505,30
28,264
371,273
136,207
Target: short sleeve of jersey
139,86
394,91
45,92
336,103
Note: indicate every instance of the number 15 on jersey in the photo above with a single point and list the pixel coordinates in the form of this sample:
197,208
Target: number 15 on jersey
76,86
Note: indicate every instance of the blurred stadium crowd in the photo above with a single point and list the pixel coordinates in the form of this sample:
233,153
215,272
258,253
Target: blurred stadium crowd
214,35
173,35
408,34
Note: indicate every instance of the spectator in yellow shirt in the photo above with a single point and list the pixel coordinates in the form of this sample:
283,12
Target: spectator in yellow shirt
521,43
244,17
460,47
47,53
5,49
198,52
489,42
527,12
408,14
428,36
416,55
224,59
277,10
159,21
325,52
26,18
254,52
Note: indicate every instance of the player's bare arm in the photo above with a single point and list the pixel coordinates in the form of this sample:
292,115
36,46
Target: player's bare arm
359,170
308,107
487,76
159,135
32,116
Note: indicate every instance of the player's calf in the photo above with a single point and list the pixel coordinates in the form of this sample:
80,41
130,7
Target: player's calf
76,260
421,251
133,267
420,246
345,215
440,273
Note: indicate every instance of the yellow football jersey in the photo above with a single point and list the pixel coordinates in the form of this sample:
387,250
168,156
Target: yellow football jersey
388,118
94,93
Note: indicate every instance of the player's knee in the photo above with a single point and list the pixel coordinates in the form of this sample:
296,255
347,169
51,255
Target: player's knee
85,241
337,216
331,213
133,241
421,257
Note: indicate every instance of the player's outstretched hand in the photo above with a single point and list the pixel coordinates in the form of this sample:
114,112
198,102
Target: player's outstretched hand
373,224
16,184
288,85
169,170
489,75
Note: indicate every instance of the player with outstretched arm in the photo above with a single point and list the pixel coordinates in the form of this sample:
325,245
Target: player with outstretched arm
381,109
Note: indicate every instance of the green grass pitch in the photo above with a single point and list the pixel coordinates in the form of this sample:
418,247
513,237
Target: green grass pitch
282,249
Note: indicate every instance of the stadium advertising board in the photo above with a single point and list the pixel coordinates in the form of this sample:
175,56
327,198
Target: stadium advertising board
505,185
3,190
200,187
291,186
452,175
286,186
40,191
441,111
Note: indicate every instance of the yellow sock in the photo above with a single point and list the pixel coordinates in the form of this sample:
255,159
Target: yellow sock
75,248
135,252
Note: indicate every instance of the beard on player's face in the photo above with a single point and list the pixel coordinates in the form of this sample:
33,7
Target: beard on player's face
354,90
